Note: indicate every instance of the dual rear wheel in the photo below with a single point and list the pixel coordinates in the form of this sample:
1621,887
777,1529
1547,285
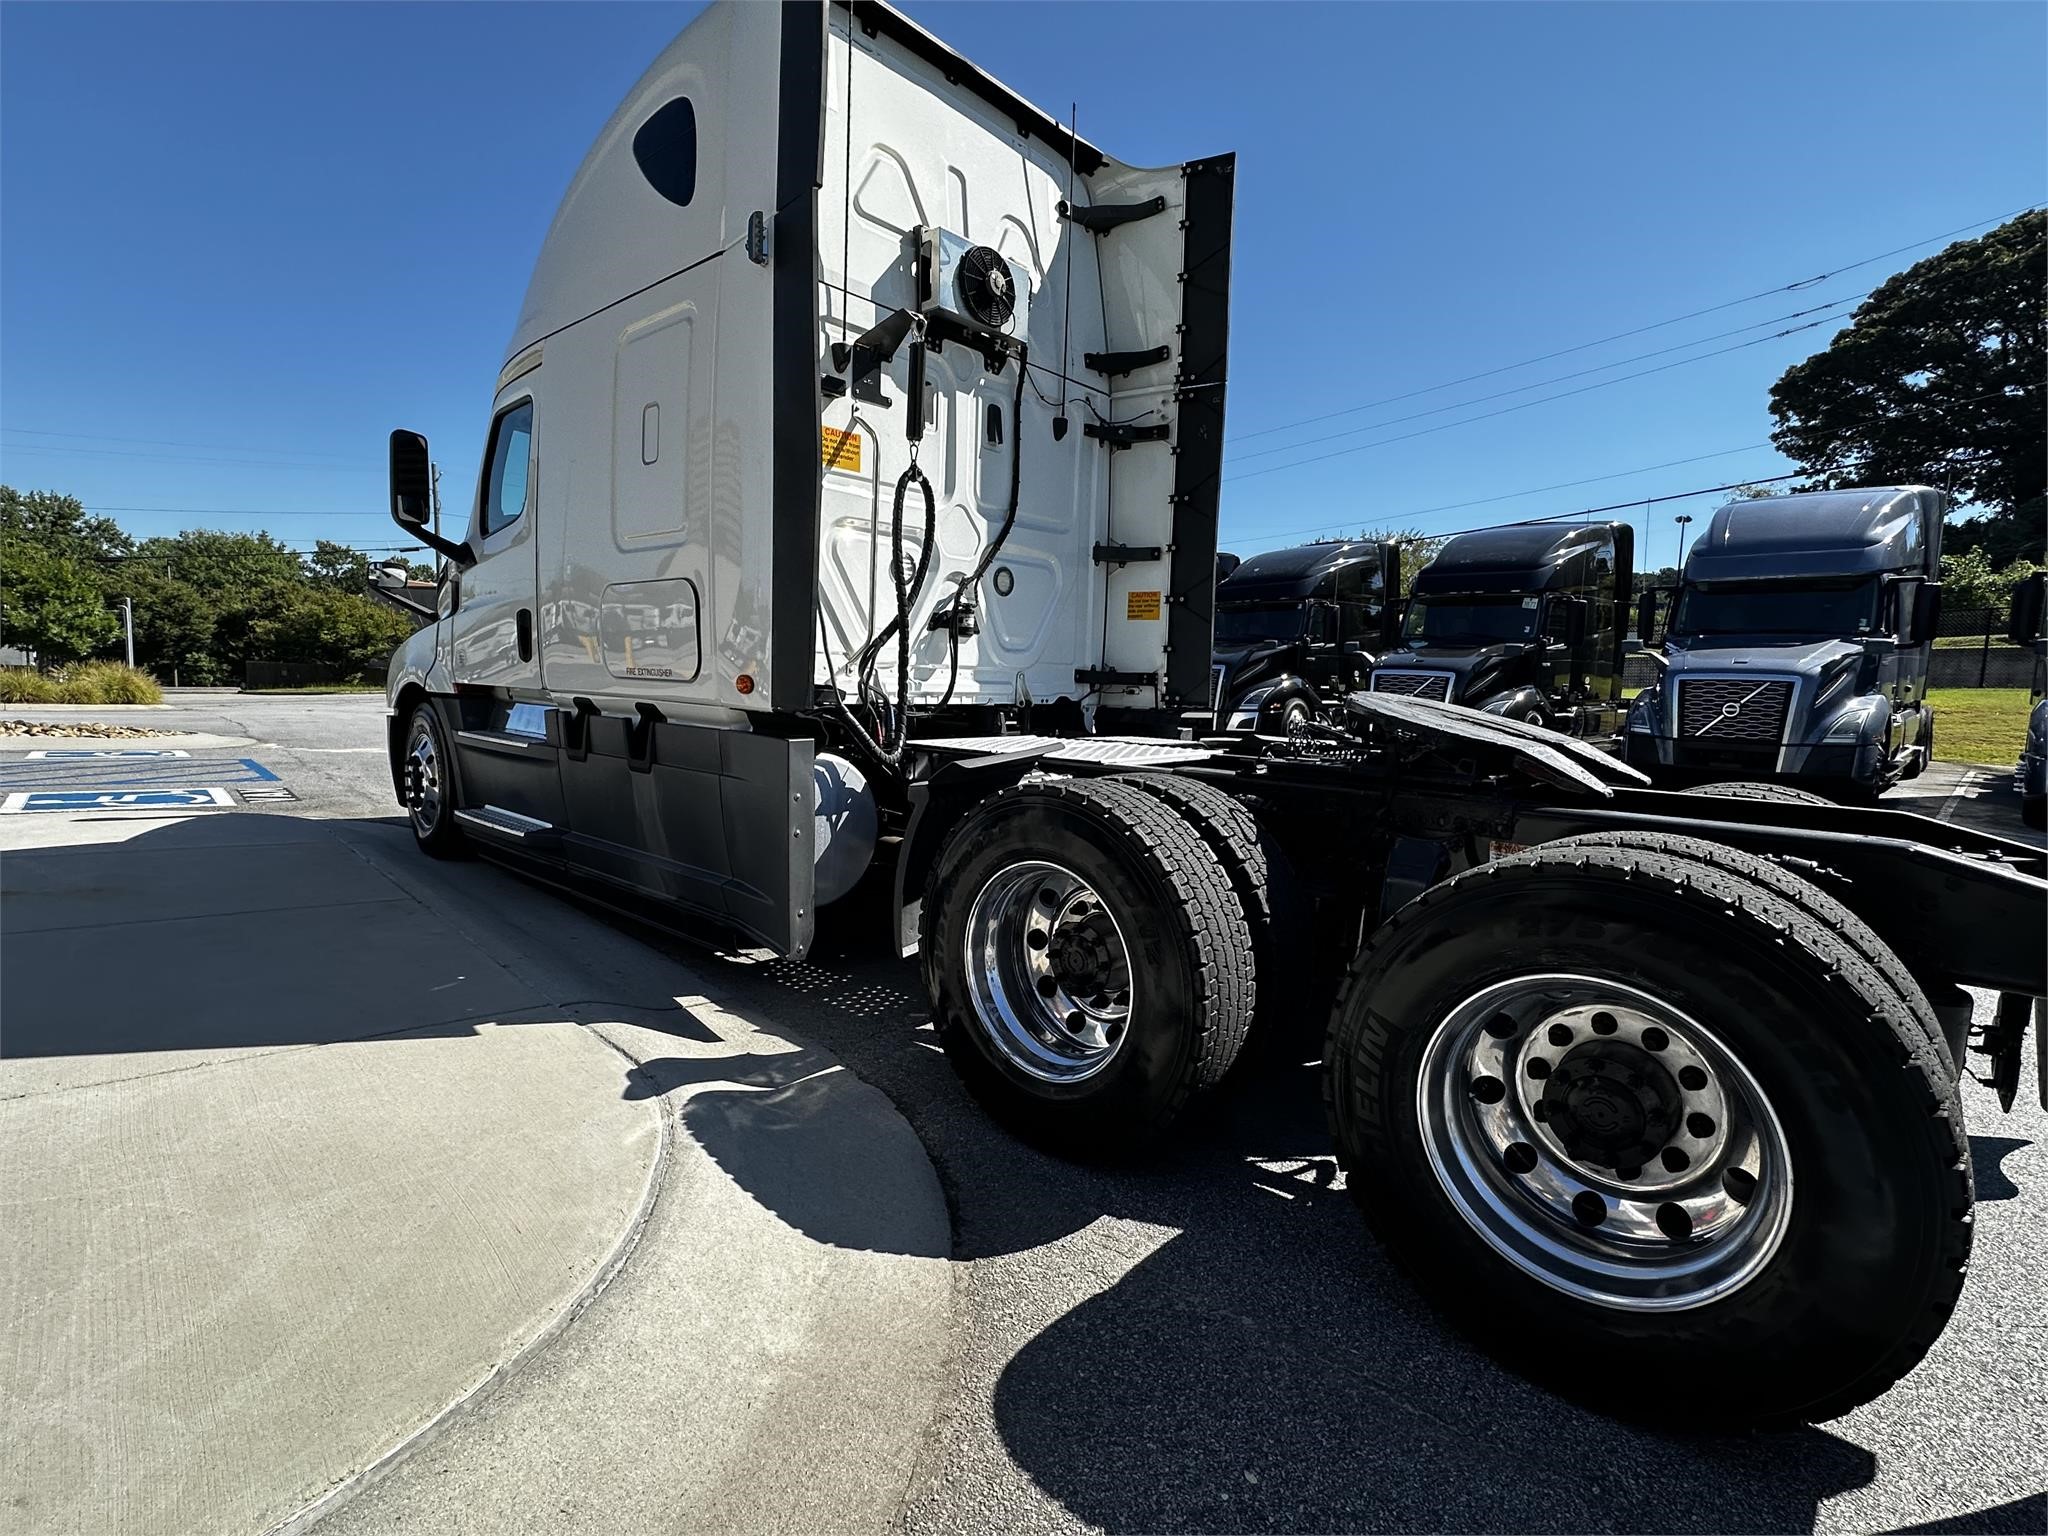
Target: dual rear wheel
1659,1123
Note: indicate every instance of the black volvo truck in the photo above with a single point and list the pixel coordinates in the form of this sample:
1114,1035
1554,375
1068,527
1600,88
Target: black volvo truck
1296,629
1524,622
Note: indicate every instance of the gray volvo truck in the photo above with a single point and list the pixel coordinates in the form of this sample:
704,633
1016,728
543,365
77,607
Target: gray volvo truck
1524,622
1798,644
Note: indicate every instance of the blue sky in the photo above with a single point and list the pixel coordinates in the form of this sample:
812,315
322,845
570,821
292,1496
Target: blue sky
239,243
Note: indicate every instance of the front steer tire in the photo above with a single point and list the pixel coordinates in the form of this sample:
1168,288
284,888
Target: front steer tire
427,770
1128,1073
1874,1238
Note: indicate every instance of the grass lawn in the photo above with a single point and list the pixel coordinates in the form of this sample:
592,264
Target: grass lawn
1979,725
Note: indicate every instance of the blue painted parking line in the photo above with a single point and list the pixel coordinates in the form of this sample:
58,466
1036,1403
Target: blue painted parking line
158,774
126,783
25,801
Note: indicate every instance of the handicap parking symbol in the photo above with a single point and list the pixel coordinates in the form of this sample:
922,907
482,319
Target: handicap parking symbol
183,799
74,754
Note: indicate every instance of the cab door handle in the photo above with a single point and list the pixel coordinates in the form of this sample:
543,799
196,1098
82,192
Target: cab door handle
525,626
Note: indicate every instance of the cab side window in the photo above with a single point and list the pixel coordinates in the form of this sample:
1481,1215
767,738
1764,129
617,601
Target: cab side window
508,468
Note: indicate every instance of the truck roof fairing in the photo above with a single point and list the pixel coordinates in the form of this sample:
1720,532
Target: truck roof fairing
1523,557
1291,575
1821,533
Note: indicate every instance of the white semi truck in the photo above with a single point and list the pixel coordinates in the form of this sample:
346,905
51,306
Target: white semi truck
849,502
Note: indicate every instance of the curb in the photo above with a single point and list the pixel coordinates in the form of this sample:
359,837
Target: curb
449,1414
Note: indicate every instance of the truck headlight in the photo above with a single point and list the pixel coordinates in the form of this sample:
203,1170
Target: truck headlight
1642,714
1855,722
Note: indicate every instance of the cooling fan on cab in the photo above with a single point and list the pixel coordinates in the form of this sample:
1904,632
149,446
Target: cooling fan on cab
975,286
986,288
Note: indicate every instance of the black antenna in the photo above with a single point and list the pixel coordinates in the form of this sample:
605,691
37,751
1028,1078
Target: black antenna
1059,422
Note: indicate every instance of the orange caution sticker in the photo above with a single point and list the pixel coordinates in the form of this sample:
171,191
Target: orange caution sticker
1141,605
839,449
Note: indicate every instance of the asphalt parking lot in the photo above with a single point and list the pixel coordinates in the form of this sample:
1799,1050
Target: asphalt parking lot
1209,1341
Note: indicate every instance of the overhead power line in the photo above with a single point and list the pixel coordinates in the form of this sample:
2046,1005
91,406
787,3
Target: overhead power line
1466,421
180,458
1534,490
243,511
1563,378
1719,453
160,442
1658,325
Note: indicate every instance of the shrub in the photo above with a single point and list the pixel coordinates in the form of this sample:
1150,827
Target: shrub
25,685
107,682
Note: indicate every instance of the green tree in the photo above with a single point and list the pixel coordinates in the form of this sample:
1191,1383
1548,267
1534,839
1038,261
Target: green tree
1417,550
51,604
1969,580
61,525
349,632
1938,380
338,568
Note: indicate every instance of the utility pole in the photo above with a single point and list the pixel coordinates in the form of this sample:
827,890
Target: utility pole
128,622
437,500
1682,519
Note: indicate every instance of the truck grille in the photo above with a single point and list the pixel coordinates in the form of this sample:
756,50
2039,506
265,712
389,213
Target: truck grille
1733,709
1414,685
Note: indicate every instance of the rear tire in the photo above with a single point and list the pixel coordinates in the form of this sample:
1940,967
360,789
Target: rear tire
1264,882
1743,789
1089,963
1847,1254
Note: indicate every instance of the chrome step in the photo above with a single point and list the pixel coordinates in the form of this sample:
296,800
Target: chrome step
494,818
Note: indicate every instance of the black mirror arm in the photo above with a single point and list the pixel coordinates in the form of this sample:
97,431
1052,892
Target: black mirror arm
463,556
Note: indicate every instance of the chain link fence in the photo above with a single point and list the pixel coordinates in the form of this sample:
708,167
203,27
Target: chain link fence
1972,652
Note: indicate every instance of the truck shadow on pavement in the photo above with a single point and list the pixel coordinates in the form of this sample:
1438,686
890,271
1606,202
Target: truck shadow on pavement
1264,1367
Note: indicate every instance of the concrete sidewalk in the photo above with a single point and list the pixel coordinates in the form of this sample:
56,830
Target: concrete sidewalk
313,1154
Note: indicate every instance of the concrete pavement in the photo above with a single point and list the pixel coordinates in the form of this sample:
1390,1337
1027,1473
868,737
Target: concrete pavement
318,1159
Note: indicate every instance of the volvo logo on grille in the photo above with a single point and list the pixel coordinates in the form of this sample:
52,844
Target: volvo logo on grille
1730,710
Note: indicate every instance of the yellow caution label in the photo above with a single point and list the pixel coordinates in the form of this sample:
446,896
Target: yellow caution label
839,450
1141,605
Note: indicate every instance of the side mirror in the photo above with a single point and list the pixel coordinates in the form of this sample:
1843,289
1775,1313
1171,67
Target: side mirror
412,495
1564,621
1919,612
412,481
1646,617
2024,628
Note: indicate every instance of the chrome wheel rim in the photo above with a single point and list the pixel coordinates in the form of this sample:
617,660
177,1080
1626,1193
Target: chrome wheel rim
1048,972
423,780
1604,1142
